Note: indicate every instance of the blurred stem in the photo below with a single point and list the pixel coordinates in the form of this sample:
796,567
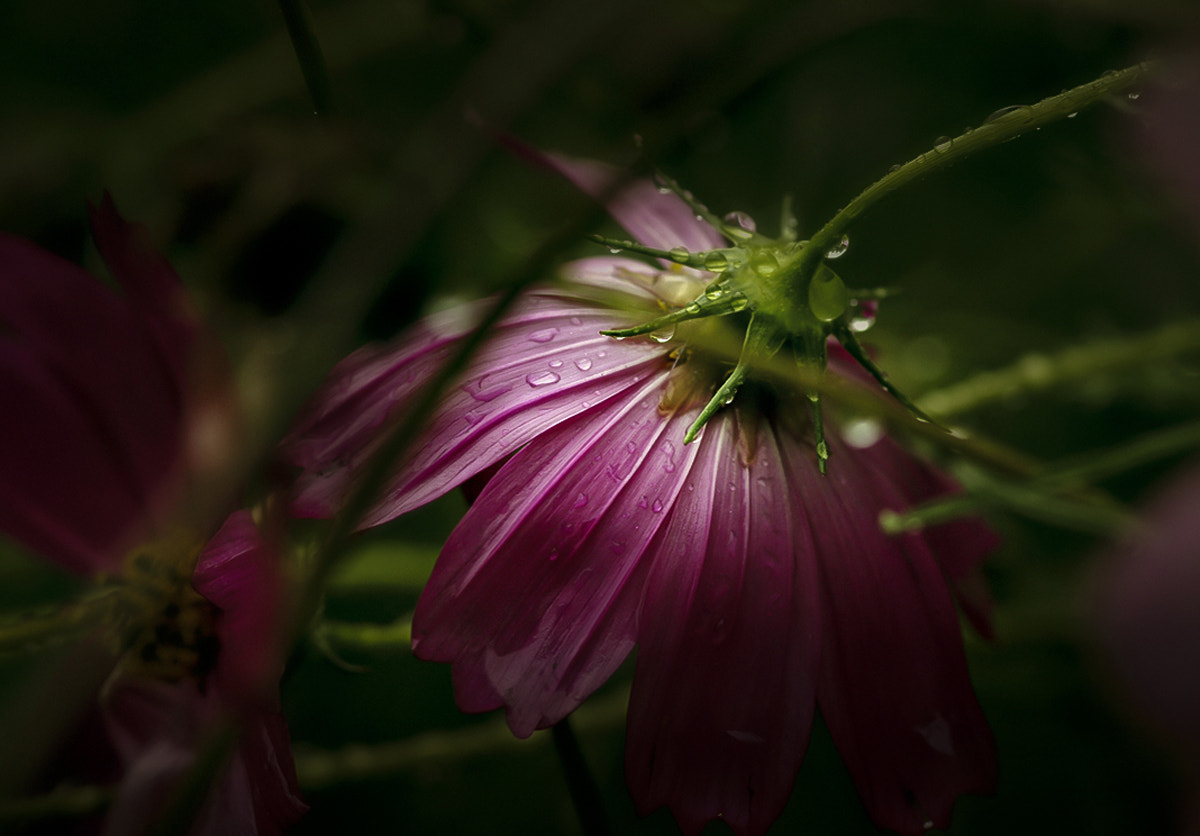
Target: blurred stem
585,794
1042,498
308,53
1041,372
319,769
1003,126
396,635
62,802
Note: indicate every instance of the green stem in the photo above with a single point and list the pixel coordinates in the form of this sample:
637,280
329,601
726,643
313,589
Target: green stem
308,53
995,131
585,794
1040,372
396,635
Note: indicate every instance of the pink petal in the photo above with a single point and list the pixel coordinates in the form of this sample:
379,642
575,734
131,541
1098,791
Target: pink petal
543,363
562,529
1148,620
894,688
94,420
656,219
239,573
728,641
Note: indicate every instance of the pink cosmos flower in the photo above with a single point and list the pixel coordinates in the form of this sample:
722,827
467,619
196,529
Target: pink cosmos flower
117,404
754,587
1148,624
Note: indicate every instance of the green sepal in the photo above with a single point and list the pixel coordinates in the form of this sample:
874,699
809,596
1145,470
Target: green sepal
849,341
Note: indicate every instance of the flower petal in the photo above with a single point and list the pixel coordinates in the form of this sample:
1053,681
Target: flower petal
93,429
894,688
543,363
534,597
728,641
656,219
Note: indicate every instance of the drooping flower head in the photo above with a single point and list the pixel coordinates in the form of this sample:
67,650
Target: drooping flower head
119,411
648,492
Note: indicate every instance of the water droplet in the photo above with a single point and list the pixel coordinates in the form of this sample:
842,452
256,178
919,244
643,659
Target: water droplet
576,320
484,391
656,506
630,447
1133,96
1073,114
714,295
537,379
474,417
679,254
839,249
1002,112
693,307
827,296
553,554
580,500
663,335
544,335
741,221
942,144
862,433
583,364
602,354
738,303
556,364
669,449
764,263
615,250
643,502
894,168
716,261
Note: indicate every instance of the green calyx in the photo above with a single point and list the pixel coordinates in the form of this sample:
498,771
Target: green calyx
764,277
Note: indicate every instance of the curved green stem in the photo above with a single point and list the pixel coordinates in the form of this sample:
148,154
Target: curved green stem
308,53
1008,125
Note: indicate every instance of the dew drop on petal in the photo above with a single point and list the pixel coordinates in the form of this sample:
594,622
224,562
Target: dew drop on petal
473,417
543,335
580,500
553,555
576,320
545,378
483,390
643,502
656,506
583,364
556,364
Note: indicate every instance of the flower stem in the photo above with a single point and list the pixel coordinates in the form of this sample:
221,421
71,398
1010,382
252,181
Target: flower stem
585,794
1001,128
1039,372
308,53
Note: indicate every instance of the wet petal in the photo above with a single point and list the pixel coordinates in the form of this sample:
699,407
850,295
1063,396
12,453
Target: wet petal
543,363
893,689
728,645
535,595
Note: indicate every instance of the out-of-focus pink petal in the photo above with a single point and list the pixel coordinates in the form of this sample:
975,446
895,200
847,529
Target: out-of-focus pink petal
563,529
654,218
94,415
265,751
239,573
1169,132
1148,618
544,363
728,641
893,688
960,546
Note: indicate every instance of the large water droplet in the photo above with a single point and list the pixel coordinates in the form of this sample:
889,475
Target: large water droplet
679,254
764,263
862,432
663,335
484,390
545,378
839,249
580,500
556,364
656,506
827,296
544,335
583,364
716,262
669,449
743,225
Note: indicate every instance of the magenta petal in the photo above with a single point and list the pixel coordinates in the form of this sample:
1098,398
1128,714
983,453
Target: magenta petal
563,529
94,416
894,688
729,634
654,218
239,573
543,363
